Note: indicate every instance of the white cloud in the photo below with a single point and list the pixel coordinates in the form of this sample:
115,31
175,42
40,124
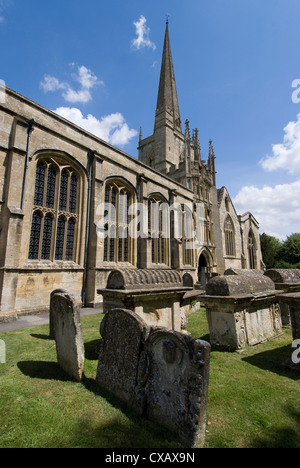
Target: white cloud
276,208
85,77
111,128
72,96
51,84
142,31
286,155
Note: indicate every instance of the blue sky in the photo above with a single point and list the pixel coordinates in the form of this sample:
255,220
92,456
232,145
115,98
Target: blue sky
98,63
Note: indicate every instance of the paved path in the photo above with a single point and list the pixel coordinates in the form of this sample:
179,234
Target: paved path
28,321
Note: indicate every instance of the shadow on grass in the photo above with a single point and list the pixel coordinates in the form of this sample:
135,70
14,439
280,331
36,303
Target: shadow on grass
284,437
92,350
138,424
41,337
43,370
274,361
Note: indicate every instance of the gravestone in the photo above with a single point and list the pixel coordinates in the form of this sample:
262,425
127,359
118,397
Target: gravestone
159,373
119,355
177,388
68,334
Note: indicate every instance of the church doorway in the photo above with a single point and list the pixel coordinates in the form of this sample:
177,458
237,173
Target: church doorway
203,274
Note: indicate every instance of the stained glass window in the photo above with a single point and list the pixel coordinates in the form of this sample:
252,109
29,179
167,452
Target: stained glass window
39,184
252,251
63,190
60,238
51,182
73,194
116,243
70,239
158,224
229,238
35,235
47,236
56,192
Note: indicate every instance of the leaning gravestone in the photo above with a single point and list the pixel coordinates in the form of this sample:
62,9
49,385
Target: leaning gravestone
159,373
119,354
177,389
68,334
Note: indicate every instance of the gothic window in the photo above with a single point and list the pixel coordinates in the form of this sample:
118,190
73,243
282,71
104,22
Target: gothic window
251,251
158,219
229,238
187,235
118,246
55,213
35,235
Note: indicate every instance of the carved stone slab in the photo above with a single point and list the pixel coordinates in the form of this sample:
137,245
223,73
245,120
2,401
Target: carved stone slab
122,332
68,334
162,374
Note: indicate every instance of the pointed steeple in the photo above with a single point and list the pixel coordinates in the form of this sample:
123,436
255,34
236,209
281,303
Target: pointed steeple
167,108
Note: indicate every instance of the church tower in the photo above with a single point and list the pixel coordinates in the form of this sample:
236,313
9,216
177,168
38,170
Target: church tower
169,150
165,147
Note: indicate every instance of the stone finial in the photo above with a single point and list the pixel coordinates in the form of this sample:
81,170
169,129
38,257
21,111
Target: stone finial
187,130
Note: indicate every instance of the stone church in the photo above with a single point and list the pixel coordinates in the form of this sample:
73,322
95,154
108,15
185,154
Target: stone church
70,202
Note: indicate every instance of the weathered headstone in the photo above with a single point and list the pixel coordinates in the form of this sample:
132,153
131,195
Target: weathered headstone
162,374
119,354
52,311
68,334
177,384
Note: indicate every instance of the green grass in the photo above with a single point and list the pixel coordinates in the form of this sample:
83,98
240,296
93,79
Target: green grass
253,401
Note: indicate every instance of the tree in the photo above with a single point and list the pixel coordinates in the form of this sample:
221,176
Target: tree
289,253
270,247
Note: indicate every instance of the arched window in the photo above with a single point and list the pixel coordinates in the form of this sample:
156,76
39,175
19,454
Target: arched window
229,238
55,212
159,229
251,251
187,229
118,246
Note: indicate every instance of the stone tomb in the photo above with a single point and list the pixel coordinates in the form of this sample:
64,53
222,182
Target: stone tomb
161,374
292,300
288,281
67,330
155,295
242,310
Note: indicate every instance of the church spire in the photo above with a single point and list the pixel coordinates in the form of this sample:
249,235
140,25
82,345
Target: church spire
167,108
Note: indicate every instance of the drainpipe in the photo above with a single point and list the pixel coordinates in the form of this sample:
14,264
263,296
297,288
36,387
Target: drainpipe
29,132
91,155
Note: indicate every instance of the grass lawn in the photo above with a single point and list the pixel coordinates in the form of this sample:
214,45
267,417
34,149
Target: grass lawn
253,400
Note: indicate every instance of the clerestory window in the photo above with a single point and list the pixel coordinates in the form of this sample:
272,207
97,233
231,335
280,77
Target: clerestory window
55,212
